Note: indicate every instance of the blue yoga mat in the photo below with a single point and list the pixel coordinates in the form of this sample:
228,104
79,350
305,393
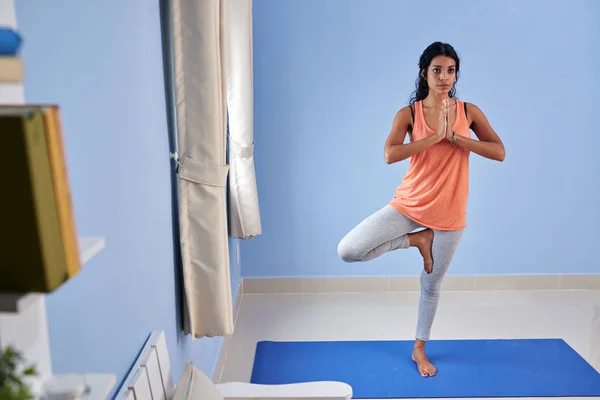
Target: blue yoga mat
466,368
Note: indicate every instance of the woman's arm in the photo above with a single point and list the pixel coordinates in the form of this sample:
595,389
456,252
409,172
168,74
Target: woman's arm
489,144
395,150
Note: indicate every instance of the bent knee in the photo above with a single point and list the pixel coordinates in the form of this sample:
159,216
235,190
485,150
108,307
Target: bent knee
347,252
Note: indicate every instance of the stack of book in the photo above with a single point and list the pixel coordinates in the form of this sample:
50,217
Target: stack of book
11,65
38,241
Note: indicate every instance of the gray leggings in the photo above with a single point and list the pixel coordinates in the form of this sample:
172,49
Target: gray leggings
387,230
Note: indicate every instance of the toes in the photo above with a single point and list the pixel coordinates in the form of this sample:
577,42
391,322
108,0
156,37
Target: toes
427,371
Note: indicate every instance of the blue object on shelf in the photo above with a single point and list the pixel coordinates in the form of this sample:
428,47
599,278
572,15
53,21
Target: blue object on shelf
466,368
10,42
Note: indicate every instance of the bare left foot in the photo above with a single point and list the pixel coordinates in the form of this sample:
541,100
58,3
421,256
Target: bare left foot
423,240
425,367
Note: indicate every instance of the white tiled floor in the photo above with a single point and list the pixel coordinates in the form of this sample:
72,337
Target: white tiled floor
571,315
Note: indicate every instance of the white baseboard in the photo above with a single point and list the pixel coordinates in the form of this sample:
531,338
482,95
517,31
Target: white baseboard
411,284
225,347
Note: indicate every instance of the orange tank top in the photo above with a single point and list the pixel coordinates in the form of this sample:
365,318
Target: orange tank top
435,189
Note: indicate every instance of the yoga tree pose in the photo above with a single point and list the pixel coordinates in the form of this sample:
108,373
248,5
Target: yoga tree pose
432,197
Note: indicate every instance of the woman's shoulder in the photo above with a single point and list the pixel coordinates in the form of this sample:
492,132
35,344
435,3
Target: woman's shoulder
410,109
405,112
473,113
404,118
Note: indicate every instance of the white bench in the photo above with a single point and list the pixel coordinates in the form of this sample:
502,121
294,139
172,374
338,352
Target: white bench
150,379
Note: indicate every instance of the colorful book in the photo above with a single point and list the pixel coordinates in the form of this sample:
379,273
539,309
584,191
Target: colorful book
38,241
62,188
11,70
10,41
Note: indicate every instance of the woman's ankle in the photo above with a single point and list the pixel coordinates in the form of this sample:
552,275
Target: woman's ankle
420,344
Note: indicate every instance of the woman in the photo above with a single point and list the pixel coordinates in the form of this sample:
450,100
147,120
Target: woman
433,194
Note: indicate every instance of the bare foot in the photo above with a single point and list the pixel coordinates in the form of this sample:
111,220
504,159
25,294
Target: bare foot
425,367
423,240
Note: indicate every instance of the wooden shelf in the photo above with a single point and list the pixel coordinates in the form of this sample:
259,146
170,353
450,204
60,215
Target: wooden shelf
18,302
90,247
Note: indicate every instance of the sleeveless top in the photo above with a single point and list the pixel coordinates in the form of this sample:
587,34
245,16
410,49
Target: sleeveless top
435,189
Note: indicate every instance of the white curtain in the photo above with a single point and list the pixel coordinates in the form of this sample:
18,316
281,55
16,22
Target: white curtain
212,56
200,68
244,212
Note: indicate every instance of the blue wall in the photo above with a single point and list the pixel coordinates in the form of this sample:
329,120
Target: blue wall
102,62
329,77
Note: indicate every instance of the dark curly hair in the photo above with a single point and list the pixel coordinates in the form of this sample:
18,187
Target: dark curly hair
433,50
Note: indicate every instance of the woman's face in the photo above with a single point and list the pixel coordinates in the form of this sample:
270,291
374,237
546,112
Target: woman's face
441,74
